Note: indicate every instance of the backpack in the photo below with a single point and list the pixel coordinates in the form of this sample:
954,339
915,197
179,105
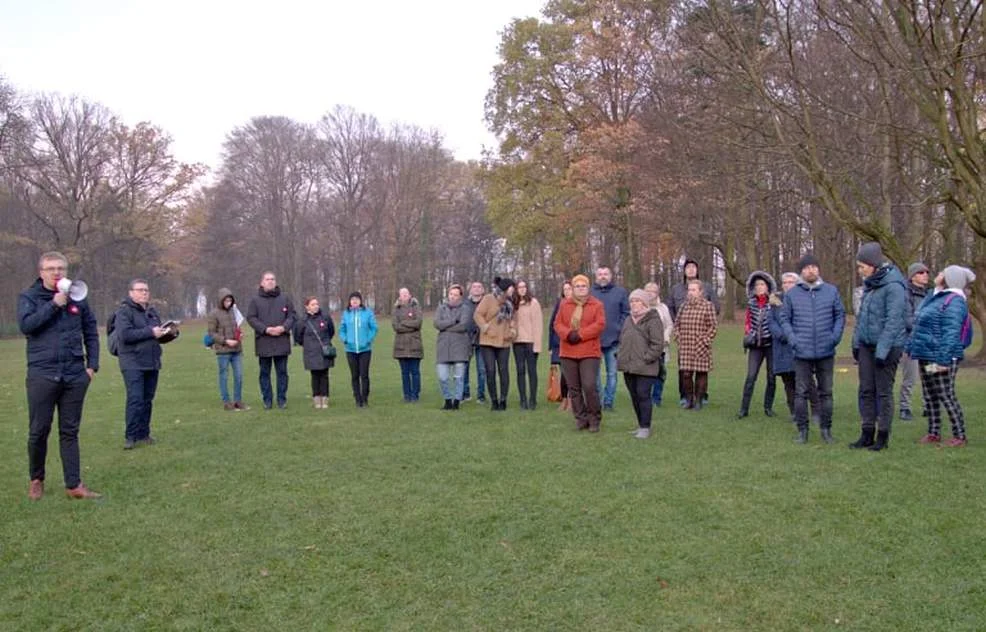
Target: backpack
965,335
112,338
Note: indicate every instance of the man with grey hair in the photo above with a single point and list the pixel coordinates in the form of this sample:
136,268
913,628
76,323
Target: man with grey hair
58,329
918,277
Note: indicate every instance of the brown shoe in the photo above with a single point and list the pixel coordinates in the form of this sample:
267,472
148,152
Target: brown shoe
82,492
36,490
240,406
229,406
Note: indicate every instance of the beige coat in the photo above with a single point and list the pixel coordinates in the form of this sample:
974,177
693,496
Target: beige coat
493,333
529,322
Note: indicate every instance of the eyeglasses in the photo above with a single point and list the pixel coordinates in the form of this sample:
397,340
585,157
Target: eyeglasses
140,289
580,286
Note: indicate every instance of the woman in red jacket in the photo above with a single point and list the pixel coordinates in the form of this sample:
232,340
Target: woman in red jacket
580,321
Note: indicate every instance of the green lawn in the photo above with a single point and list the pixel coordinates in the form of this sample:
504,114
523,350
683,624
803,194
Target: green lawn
404,517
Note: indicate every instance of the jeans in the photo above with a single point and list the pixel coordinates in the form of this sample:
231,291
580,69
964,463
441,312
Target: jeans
480,375
320,383
225,361
453,369
281,367
640,388
496,360
609,393
141,387
581,376
908,376
359,369
411,378
877,383
526,362
658,392
43,397
805,372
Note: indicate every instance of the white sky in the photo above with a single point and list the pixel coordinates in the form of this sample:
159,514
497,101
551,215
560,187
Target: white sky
199,68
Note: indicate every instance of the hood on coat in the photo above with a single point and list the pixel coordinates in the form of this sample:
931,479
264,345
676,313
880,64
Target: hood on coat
413,303
760,274
223,293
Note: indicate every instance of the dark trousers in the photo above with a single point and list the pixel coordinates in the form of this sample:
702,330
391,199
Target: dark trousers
359,370
755,358
695,383
527,371
281,368
477,356
320,383
43,397
141,387
641,388
683,391
411,378
496,361
789,381
582,390
819,373
877,383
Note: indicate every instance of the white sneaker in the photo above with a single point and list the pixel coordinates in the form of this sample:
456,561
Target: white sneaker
642,433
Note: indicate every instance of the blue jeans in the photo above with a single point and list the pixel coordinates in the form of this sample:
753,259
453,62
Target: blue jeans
609,393
457,370
480,375
281,367
225,360
658,393
411,378
141,387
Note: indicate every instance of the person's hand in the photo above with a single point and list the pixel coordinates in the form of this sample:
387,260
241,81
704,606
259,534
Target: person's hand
279,330
573,337
91,373
158,331
60,299
232,343
271,331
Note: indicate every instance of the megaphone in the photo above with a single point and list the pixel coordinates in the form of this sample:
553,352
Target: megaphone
76,290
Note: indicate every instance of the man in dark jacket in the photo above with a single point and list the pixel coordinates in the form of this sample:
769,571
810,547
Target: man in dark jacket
139,332
812,318
272,317
918,277
57,329
616,302
677,298
878,342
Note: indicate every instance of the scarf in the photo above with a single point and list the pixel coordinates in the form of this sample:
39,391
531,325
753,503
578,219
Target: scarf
506,311
577,314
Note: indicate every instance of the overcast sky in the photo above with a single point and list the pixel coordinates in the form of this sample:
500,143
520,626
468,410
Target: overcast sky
199,68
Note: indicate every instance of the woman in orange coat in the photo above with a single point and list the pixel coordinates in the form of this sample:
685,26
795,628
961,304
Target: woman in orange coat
580,321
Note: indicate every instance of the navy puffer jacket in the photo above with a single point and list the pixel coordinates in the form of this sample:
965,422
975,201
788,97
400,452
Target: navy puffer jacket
56,335
813,319
884,313
139,349
937,328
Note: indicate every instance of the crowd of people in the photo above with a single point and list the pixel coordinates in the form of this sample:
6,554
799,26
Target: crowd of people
596,329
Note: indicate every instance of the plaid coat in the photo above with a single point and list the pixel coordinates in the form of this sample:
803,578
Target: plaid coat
694,329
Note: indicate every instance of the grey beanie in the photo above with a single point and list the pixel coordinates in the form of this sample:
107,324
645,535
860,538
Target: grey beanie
958,277
871,254
916,268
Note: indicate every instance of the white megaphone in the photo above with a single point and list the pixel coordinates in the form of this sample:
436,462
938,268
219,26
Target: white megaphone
76,290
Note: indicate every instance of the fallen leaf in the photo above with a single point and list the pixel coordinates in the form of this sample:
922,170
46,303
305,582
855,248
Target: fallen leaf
264,572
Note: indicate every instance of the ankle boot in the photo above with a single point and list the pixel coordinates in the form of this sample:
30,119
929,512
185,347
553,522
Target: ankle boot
865,439
455,404
494,404
802,435
316,401
503,404
827,435
742,414
882,441
532,404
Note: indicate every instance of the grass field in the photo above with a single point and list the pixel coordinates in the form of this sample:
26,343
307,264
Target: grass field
404,517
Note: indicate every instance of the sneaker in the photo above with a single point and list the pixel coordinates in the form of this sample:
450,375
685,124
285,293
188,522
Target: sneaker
229,406
36,489
930,438
481,399
466,398
82,492
607,407
267,405
148,440
240,406
129,444
282,405
905,415
956,442
642,433
683,402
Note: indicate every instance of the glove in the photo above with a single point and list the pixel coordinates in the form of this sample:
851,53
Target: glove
855,354
574,337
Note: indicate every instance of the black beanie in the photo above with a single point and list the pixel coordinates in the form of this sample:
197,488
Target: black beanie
503,283
807,260
871,254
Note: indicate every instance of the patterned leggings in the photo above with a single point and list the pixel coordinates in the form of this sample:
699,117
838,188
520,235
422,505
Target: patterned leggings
940,390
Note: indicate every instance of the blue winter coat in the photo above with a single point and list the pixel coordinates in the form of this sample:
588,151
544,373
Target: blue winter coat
616,302
139,349
813,319
937,328
358,329
56,335
783,353
883,316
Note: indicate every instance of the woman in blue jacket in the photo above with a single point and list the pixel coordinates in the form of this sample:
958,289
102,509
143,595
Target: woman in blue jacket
936,343
357,331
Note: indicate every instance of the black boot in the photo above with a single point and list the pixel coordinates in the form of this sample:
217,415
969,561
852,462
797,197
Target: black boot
802,435
523,403
865,439
494,404
448,405
882,440
503,404
742,414
769,412
532,403
827,435
455,404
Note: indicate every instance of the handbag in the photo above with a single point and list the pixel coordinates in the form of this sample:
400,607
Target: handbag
328,351
750,341
554,384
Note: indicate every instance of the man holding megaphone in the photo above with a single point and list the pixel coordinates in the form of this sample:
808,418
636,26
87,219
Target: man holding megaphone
62,358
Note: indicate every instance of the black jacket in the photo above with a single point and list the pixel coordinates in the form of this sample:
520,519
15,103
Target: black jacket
139,349
311,345
56,335
270,309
